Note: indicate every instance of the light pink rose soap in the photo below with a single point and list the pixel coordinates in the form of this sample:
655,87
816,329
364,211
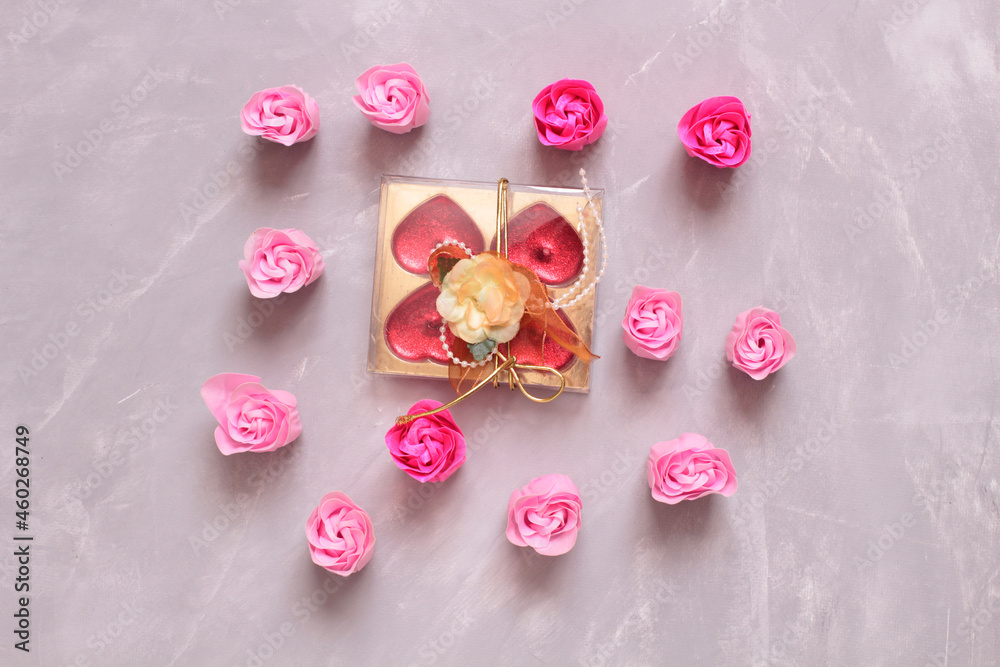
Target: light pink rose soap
393,98
688,468
758,345
653,323
285,115
340,535
545,515
280,260
251,417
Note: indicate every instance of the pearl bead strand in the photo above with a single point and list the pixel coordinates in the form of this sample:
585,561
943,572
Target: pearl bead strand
564,301
442,338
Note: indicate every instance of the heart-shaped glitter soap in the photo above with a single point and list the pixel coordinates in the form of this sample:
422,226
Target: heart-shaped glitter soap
528,342
413,327
436,220
543,240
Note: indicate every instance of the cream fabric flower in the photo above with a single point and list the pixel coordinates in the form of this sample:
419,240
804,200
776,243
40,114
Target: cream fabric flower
482,298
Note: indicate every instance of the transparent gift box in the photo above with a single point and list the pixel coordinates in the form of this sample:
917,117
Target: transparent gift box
546,232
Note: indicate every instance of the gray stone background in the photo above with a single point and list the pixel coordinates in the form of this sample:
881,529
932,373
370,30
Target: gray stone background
865,530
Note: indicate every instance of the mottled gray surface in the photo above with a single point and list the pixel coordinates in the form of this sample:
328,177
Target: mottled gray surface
865,529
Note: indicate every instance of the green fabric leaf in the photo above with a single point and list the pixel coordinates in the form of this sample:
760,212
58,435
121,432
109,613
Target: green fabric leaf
482,350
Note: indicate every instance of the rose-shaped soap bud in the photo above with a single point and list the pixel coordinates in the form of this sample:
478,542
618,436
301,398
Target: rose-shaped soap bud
758,345
482,298
340,534
653,323
284,115
430,448
280,260
717,131
393,98
251,418
569,114
688,468
545,515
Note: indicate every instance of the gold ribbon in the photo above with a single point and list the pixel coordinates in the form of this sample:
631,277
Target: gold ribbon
502,363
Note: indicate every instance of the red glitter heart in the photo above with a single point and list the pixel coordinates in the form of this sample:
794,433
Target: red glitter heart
543,240
413,327
436,220
528,342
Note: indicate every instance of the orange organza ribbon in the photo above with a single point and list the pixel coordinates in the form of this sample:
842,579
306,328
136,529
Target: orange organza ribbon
537,309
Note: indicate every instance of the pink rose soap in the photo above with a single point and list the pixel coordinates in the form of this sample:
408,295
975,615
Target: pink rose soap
340,535
430,448
569,114
251,417
393,98
653,323
688,468
285,115
545,515
758,345
717,131
280,260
